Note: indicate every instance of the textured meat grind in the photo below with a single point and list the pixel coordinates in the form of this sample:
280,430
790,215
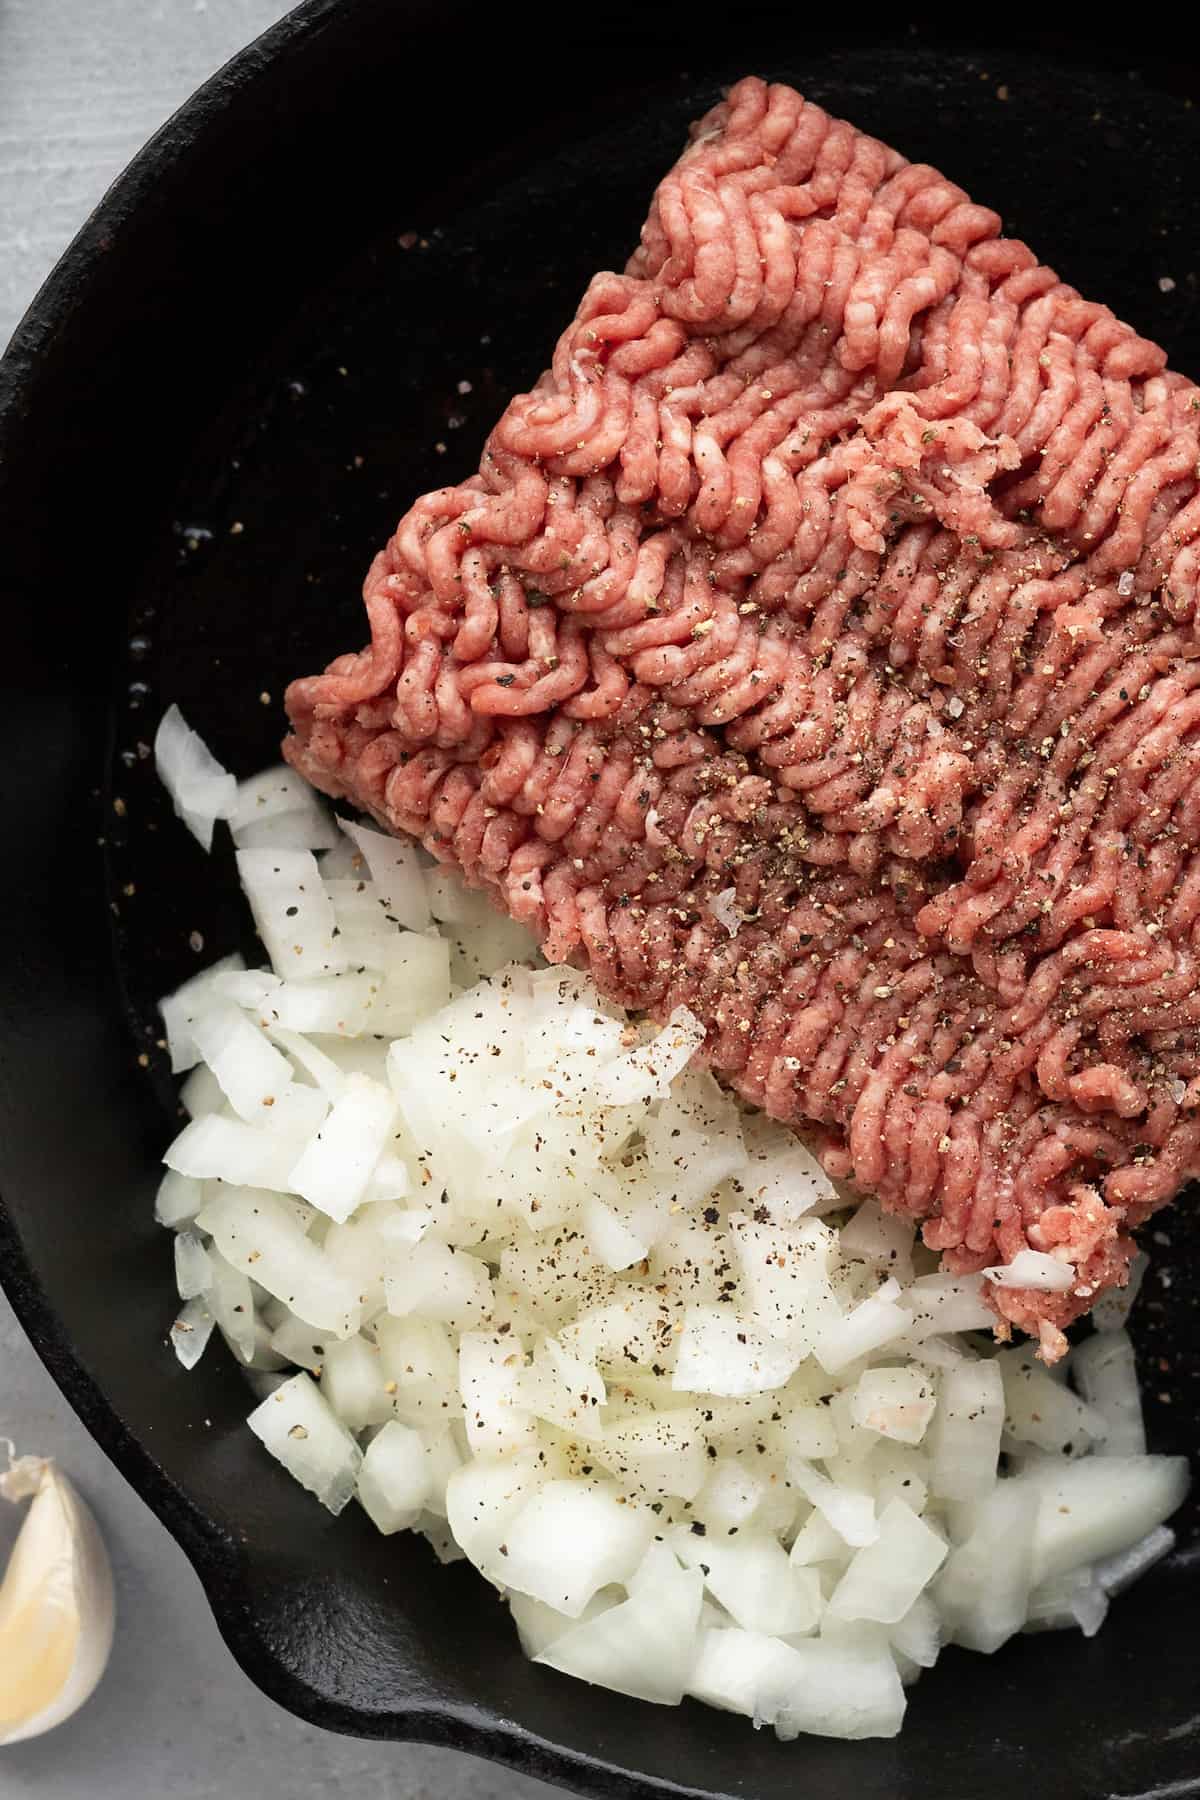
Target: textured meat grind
816,647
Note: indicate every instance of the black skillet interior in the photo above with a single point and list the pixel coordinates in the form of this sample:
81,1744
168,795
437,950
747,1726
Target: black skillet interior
250,362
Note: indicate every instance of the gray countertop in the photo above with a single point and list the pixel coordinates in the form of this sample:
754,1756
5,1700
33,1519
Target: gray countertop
82,84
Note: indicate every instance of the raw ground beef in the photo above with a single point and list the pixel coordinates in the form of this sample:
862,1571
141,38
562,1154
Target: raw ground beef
816,647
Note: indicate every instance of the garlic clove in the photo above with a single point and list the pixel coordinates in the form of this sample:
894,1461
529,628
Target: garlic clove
56,1603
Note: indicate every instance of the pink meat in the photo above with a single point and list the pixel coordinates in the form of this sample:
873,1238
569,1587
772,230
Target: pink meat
846,559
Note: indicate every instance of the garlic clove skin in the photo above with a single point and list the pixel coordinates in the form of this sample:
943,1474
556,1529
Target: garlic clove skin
56,1604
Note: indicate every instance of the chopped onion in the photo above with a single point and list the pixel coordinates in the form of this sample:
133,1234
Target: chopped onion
982,1592
191,1331
292,912
1095,1507
278,810
645,1645
396,872
335,1168
751,1577
578,1315
202,791
394,1480
1111,1311
824,1688
298,1427
181,1009
193,1266
886,1577
965,1434
571,1539
722,1354
1116,1573
1105,1370
1034,1269
895,1402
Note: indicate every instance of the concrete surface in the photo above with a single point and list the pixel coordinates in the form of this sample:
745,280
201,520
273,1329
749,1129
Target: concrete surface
82,84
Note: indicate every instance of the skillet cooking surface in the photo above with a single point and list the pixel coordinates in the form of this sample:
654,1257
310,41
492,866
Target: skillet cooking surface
251,574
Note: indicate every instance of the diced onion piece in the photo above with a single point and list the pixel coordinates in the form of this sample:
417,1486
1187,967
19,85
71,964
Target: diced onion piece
416,982
751,1577
895,1402
1105,1370
644,1646
663,1454
919,1634
1111,1311
1035,1270
898,1471
610,1238
562,1388
1116,1573
867,1327
1041,1411
814,1686
193,1267
850,1513
730,1496
292,912
489,1374
178,1200
329,1077
788,1181
421,1364
483,1498
438,1282
200,789
784,1277
334,1170
250,989
260,1235
389,1179
394,1480
947,1303
231,1302
353,1383
181,1009
332,1005
297,1426
301,1343
277,809
818,1542
806,1431
885,1577
228,1150
1073,1599
983,1589
191,1331
571,1539
201,1093
539,1626
722,1354
964,1438
880,1238
1096,1506
252,1073
395,869
646,1073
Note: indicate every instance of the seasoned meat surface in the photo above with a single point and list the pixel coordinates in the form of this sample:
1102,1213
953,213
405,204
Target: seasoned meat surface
816,647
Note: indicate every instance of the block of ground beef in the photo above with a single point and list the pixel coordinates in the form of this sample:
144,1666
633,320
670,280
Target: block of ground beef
816,647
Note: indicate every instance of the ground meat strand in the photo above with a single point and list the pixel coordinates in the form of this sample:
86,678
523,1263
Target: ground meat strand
846,559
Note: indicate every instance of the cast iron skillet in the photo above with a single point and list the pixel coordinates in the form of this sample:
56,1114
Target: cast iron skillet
246,335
